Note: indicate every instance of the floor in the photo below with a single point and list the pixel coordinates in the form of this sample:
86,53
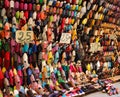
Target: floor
100,94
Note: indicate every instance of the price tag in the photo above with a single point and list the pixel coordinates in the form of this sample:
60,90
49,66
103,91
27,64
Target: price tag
94,47
24,36
65,38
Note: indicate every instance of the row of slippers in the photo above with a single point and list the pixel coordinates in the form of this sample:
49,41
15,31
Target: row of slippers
110,48
107,43
84,23
108,25
87,89
31,6
112,6
53,18
73,8
71,93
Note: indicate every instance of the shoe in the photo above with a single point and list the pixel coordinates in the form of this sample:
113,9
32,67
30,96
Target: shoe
63,95
81,91
68,95
75,94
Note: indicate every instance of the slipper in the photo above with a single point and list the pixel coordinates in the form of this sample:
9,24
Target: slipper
13,30
34,7
38,7
7,3
14,22
1,45
50,3
41,2
12,4
50,57
16,5
34,15
31,15
15,72
25,6
58,4
3,12
25,48
54,3
7,56
67,6
1,75
21,6
17,15
26,14
22,1
63,95
11,81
